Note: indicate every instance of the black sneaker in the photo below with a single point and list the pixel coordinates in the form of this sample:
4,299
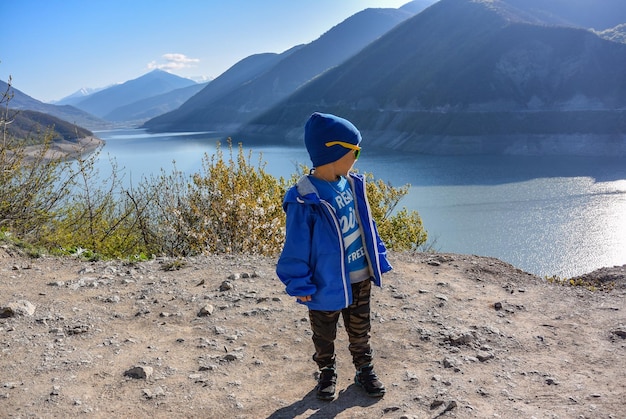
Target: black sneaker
366,377
326,383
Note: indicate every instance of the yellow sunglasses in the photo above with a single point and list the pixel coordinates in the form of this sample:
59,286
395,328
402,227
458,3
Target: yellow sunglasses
356,148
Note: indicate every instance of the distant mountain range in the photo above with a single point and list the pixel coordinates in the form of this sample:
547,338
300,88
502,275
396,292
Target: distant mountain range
107,101
31,125
447,76
233,99
474,77
21,101
77,96
127,104
149,107
593,14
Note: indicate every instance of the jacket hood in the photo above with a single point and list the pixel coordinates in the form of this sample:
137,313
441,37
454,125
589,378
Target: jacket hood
305,192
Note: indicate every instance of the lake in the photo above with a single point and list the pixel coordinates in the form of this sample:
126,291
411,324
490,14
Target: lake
546,215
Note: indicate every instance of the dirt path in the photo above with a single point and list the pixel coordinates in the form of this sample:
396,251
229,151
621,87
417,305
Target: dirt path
455,336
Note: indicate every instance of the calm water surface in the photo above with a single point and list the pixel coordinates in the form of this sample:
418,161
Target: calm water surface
546,215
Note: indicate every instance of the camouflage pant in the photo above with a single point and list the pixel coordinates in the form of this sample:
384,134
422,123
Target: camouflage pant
356,319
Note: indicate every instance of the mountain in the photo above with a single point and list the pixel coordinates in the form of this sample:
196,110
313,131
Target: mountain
463,71
21,101
28,125
239,74
416,6
263,89
151,84
616,34
145,109
596,14
77,96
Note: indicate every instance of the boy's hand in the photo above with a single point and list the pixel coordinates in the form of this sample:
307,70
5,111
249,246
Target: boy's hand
304,299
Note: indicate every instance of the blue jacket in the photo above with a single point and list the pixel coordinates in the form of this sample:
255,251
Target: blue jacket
313,260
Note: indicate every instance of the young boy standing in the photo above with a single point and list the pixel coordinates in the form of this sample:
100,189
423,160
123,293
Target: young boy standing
332,251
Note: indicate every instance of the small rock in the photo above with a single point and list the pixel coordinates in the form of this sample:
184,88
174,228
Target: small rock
449,363
230,357
151,394
139,372
18,308
451,406
620,333
435,404
463,339
207,310
391,409
226,286
441,297
498,306
484,356
411,376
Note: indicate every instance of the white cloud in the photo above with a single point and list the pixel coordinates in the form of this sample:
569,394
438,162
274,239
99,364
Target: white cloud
171,62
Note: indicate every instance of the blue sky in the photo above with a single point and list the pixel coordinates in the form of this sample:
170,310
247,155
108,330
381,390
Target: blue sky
52,48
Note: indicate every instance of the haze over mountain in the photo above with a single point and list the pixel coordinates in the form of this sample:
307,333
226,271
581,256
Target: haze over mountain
30,125
21,101
596,14
473,76
154,83
78,95
152,106
275,77
239,74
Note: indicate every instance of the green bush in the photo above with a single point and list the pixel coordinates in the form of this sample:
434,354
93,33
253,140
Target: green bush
401,230
98,217
230,206
33,186
235,206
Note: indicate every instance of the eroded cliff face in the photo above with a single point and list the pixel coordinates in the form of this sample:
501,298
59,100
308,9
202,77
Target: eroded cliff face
531,145
391,133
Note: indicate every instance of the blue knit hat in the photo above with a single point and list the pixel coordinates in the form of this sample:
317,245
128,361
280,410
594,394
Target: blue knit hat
322,128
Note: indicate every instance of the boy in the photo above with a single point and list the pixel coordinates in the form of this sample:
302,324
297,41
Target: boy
332,250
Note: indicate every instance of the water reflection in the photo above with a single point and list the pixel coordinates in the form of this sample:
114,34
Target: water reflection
547,215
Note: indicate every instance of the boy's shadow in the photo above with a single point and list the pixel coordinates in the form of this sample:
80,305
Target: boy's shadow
319,409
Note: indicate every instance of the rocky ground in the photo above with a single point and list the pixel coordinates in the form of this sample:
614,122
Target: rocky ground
216,337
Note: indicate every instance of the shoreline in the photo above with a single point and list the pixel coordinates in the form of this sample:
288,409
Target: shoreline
64,149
